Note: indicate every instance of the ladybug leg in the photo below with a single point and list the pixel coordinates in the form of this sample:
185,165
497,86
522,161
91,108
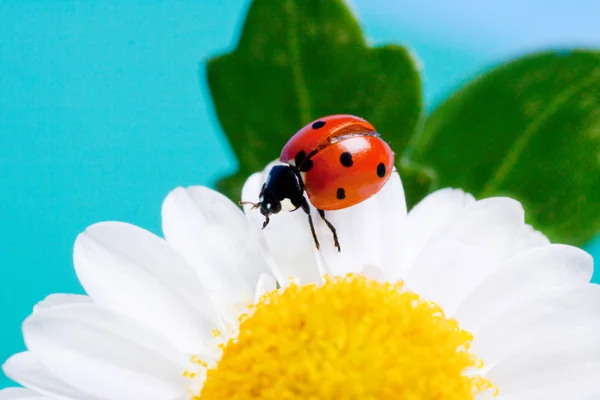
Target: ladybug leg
266,221
306,209
332,229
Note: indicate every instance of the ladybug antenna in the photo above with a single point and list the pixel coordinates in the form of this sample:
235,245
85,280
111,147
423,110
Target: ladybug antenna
254,205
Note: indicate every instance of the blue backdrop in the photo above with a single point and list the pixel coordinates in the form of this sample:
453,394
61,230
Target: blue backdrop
102,112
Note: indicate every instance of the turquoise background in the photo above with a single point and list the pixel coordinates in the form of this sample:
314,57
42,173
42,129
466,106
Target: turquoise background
102,112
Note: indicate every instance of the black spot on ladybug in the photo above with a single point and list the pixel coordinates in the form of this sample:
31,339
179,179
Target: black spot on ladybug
300,157
306,165
341,194
381,170
346,159
318,124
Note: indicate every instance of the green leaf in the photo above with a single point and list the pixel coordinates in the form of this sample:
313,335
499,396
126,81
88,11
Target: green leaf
417,182
531,130
296,61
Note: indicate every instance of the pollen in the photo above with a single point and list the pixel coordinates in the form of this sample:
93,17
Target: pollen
350,338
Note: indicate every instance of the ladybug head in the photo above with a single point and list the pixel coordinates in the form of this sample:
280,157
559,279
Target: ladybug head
282,191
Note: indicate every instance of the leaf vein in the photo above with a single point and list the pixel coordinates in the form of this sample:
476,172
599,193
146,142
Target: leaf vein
514,153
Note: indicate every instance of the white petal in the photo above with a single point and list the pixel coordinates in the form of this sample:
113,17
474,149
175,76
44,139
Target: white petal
530,238
491,224
369,232
104,354
529,326
287,238
14,393
548,337
528,274
266,283
426,219
565,359
129,270
448,270
393,213
375,273
213,235
461,255
570,391
26,370
60,299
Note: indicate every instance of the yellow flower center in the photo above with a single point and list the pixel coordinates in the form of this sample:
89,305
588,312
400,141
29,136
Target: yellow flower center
350,338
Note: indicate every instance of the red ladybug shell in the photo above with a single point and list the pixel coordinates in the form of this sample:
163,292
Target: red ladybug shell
342,159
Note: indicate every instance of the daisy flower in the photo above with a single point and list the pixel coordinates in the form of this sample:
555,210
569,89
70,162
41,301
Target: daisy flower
456,299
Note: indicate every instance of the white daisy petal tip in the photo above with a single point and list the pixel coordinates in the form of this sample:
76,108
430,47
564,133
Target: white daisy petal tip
174,193
435,212
201,198
61,299
214,237
129,270
529,238
25,369
126,356
7,365
447,199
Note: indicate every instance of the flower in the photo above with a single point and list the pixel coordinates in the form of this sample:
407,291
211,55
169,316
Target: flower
456,299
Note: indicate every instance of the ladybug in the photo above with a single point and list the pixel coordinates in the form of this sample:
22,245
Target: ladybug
338,161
